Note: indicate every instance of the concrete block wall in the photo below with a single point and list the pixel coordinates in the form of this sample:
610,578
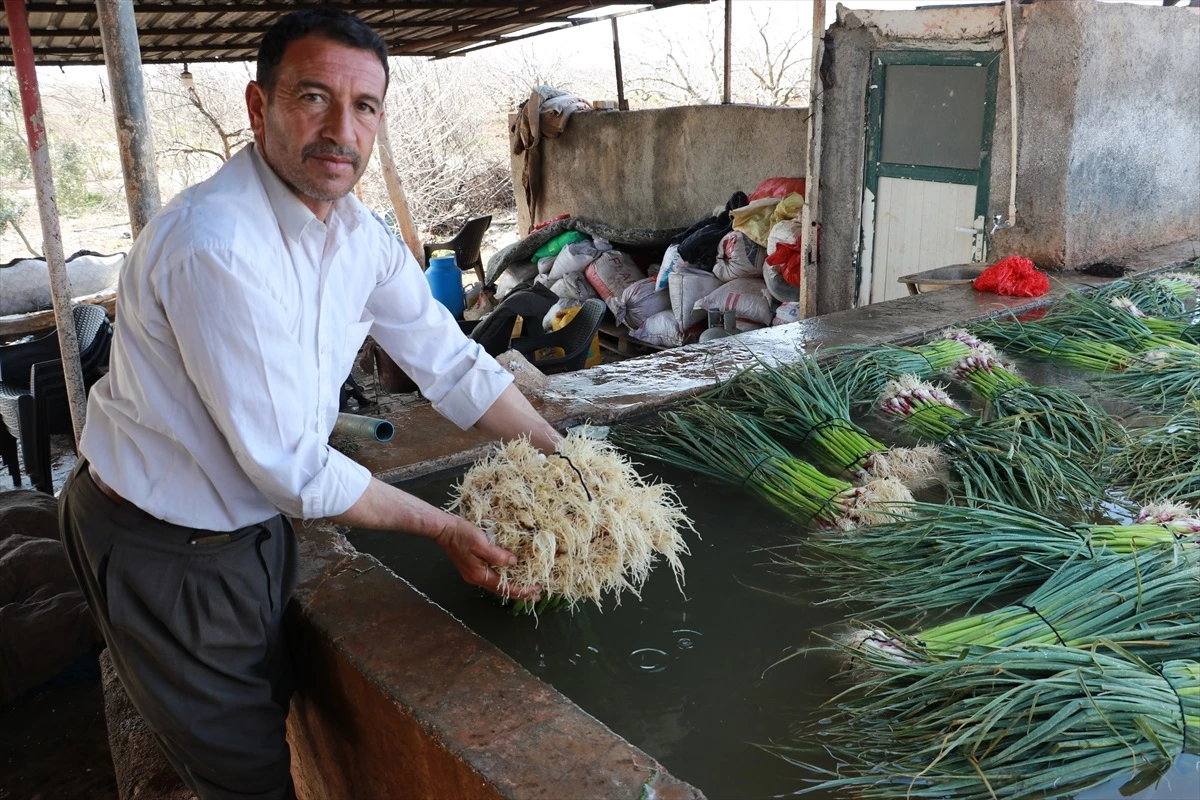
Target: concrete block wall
663,168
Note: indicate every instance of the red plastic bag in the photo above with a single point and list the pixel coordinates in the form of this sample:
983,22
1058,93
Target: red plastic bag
778,187
1013,277
789,258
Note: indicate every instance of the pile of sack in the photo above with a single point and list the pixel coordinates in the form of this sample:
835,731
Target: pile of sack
745,258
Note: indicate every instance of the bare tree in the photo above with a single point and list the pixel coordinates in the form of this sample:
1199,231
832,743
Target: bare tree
769,63
197,128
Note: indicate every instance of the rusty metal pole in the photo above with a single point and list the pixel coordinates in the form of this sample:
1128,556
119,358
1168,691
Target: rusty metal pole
621,103
118,33
43,184
728,98
810,216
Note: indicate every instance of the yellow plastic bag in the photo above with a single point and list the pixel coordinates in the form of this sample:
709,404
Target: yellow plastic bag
560,320
788,208
754,220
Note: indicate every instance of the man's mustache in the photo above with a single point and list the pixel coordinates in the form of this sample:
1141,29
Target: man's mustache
337,151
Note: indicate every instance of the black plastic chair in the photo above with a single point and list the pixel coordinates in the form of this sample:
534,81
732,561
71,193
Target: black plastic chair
32,409
465,244
574,338
494,332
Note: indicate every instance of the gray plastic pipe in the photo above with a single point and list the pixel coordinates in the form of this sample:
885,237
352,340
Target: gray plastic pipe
366,427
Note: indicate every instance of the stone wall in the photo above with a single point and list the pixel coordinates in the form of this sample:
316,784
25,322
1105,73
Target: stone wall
663,168
1108,139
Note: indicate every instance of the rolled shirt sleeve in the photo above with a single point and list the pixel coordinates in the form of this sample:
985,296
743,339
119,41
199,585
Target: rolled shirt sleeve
453,371
265,409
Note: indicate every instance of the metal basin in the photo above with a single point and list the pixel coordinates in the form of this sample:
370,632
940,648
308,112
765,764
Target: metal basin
941,277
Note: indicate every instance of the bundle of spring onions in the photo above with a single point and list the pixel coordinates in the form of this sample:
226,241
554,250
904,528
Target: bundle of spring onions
801,405
1089,317
1144,601
1170,327
1160,380
863,376
1047,412
1162,460
1046,344
1162,295
990,460
1021,722
733,449
935,557
582,523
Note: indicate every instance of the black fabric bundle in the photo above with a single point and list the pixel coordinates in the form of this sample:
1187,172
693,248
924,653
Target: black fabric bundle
698,244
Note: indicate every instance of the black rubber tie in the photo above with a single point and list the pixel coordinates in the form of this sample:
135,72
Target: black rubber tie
577,472
1179,700
754,469
1043,619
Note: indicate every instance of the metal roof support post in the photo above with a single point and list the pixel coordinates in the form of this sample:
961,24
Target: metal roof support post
728,97
622,103
810,219
43,184
118,33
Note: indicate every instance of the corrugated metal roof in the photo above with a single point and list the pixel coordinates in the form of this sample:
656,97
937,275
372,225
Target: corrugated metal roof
171,31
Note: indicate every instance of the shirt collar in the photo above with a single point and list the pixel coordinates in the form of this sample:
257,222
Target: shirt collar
291,212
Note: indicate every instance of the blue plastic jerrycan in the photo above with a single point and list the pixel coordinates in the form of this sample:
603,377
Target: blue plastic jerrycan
445,281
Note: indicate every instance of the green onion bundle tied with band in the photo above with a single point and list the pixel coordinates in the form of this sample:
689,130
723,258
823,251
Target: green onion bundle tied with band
1162,460
1164,295
1021,722
1043,343
1145,602
1159,380
582,523
990,460
801,404
1091,318
862,378
1044,412
933,557
734,449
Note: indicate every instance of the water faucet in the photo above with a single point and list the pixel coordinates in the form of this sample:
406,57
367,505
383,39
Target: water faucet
999,224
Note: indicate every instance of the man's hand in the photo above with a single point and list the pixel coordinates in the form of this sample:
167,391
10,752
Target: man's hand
476,558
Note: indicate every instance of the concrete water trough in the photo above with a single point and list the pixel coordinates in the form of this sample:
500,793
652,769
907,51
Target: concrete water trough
397,698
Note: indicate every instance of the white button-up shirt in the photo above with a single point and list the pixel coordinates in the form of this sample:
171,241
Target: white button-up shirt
238,318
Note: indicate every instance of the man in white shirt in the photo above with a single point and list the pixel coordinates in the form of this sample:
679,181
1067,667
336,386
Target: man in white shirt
242,305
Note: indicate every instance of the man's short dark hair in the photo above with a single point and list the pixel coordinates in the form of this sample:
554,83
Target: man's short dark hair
336,26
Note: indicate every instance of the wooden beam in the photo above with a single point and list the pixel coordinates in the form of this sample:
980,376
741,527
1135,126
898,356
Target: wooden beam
391,177
621,104
810,218
727,97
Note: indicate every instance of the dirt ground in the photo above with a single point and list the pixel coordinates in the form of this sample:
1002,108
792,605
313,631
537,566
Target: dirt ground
54,744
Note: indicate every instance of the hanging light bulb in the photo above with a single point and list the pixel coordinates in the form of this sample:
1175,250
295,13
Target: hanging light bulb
185,78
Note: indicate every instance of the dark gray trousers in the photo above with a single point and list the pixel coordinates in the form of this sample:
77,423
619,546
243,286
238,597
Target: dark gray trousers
194,625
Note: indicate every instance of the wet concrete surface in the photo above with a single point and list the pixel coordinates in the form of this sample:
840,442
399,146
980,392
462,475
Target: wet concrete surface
426,443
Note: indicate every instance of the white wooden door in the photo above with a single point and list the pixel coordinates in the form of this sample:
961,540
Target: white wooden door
919,225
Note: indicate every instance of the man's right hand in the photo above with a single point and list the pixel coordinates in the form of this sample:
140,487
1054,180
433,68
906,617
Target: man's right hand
477,559
386,508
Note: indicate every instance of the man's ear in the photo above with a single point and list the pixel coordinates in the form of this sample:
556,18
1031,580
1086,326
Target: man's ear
256,107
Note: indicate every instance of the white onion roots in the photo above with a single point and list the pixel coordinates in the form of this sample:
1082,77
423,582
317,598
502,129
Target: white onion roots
576,548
